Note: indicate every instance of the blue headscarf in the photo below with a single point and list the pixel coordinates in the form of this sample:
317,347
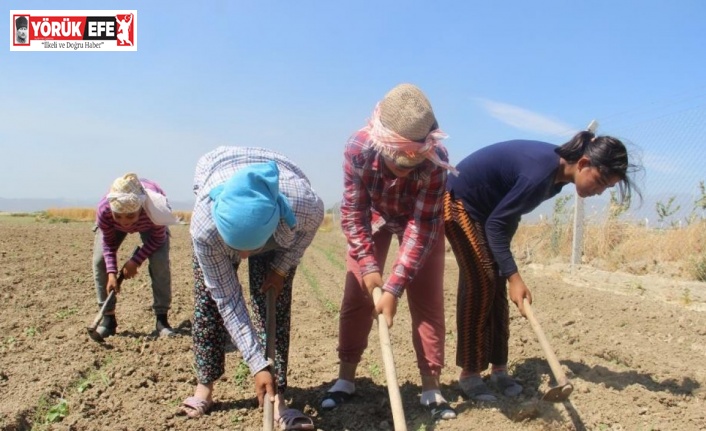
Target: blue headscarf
248,207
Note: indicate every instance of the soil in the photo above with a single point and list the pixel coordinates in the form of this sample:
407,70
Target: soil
634,348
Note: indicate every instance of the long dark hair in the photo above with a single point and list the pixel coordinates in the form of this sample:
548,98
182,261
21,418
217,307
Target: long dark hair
609,155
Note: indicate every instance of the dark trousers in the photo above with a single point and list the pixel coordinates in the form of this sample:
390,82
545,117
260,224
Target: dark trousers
482,314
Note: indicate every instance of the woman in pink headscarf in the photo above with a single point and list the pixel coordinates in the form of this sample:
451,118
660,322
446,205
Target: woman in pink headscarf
394,179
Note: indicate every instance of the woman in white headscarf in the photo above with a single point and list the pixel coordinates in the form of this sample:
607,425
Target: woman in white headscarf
133,205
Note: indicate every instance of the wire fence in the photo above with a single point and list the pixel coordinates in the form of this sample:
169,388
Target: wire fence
673,153
664,231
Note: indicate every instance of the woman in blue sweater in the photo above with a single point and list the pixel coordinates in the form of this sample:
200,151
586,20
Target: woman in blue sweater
482,209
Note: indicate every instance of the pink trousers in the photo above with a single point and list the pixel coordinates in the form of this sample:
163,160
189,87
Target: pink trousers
425,295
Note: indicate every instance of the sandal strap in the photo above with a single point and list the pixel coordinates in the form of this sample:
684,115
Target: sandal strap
479,392
506,384
473,390
338,397
291,417
198,406
439,410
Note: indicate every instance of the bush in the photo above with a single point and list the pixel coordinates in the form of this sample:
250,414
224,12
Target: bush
698,268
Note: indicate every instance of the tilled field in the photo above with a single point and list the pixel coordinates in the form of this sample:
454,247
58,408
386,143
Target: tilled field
634,348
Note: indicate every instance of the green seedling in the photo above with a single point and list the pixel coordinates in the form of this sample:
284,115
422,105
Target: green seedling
242,374
82,385
57,412
374,370
103,377
330,307
66,312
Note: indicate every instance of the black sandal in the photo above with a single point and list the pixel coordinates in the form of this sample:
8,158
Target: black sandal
338,397
441,411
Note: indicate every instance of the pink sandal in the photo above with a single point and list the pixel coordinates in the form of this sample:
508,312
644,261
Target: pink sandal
194,407
293,419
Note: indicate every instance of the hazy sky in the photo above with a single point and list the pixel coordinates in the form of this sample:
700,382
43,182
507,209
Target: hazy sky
301,76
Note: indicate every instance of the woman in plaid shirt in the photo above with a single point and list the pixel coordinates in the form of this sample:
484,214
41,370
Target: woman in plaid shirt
394,180
253,204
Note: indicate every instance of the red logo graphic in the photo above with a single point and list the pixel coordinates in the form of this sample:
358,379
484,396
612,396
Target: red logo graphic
125,29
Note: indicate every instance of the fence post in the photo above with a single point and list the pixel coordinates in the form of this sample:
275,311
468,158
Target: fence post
577,242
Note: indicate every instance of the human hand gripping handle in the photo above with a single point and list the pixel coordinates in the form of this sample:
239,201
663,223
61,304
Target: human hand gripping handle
264,385
128,270
371,281
386,304
393,388
113,285
518,292
274,280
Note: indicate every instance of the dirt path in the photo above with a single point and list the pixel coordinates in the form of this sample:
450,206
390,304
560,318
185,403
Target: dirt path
634,347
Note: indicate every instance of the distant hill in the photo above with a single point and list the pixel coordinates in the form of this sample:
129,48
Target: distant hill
33,205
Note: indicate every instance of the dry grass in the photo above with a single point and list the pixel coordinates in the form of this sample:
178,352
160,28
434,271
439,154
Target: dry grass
184,216
327,223
615,245
89,214
72,214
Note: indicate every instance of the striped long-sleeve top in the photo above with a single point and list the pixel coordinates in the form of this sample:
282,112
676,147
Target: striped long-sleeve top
109,227
217,260
410,207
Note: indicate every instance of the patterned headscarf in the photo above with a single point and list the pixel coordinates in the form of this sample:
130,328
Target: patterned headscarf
126,194
403,126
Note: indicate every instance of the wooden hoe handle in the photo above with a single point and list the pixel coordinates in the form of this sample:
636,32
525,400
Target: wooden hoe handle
548,352
393,388
271,331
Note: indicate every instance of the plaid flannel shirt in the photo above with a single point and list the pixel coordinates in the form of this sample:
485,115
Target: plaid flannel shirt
218,261
410,207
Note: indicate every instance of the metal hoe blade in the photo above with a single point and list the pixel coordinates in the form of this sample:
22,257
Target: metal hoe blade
559,393
95,336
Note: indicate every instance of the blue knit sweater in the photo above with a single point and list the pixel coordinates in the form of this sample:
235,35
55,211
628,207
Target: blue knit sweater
501,182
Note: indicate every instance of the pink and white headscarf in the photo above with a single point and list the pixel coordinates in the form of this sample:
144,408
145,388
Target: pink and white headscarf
390,142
